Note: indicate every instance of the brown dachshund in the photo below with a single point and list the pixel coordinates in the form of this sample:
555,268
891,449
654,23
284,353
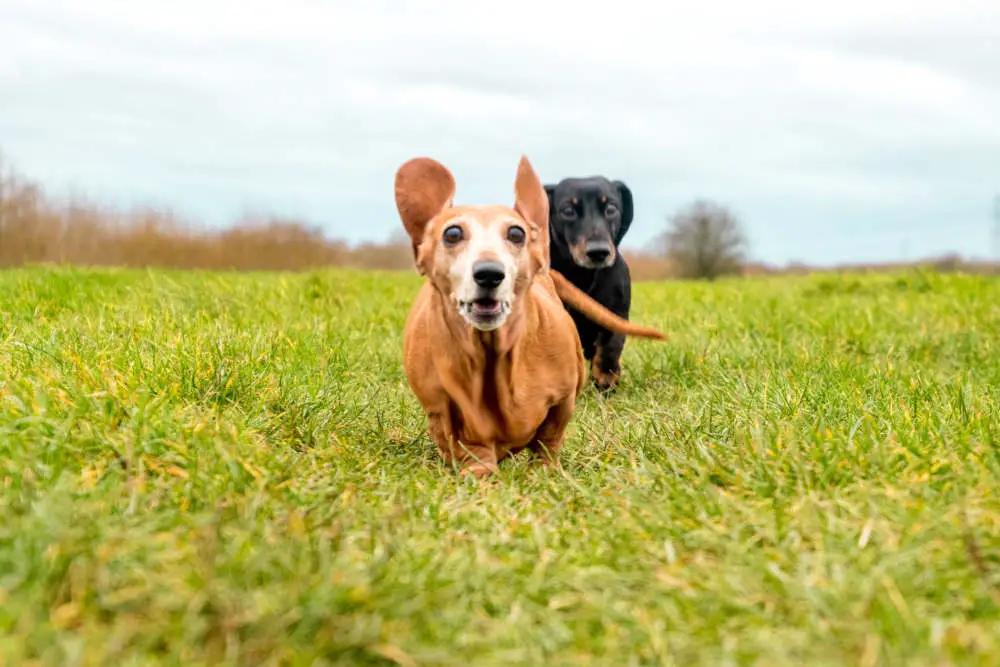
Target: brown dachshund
489,350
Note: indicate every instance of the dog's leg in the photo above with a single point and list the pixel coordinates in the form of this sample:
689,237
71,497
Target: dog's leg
478,460
606,367
549,437
441,432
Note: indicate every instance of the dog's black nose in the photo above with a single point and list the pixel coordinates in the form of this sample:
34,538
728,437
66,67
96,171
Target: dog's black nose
598,251
488,273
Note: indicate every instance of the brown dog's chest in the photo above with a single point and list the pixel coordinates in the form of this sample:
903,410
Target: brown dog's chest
482,396
501,406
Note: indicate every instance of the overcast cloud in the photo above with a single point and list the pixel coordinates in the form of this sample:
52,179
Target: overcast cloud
855,130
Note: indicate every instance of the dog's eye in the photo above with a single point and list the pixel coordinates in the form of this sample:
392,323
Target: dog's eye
610,210
516,235
568,211
453,235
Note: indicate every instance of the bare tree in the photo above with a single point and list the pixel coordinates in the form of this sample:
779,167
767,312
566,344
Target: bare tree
704,240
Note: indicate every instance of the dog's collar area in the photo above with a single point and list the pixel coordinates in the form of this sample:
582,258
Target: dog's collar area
585,278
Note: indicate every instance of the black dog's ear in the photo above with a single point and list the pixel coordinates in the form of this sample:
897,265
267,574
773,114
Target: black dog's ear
550,192
627,210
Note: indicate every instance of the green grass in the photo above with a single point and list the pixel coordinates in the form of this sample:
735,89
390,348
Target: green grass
203,468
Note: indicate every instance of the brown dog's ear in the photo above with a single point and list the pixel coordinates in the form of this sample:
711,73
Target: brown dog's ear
424,188
532,203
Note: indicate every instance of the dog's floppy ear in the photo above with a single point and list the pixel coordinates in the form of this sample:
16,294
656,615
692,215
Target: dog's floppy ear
532,203
424,188
628,209
550,192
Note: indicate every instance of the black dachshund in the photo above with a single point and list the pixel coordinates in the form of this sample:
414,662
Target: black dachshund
588,218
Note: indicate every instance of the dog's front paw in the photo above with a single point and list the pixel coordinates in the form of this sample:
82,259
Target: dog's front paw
479,470
550,464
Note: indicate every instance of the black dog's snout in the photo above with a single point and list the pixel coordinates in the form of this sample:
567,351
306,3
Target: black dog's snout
598,251
488,273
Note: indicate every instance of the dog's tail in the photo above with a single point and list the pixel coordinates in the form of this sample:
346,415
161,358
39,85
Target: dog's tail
582,301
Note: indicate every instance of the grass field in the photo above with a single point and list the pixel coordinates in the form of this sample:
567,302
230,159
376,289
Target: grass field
205,468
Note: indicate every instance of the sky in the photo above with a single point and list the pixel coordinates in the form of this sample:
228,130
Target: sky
860,130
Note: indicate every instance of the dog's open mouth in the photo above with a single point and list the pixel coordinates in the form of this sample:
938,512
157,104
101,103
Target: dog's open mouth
485,312
486,306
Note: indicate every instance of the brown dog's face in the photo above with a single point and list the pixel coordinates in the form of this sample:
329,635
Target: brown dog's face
481,258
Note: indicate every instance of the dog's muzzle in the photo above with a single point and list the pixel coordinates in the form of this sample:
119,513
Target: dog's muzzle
486,312
595,254
598,252
488,274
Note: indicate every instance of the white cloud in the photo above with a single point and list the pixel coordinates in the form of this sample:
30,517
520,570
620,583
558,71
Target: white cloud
876,121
